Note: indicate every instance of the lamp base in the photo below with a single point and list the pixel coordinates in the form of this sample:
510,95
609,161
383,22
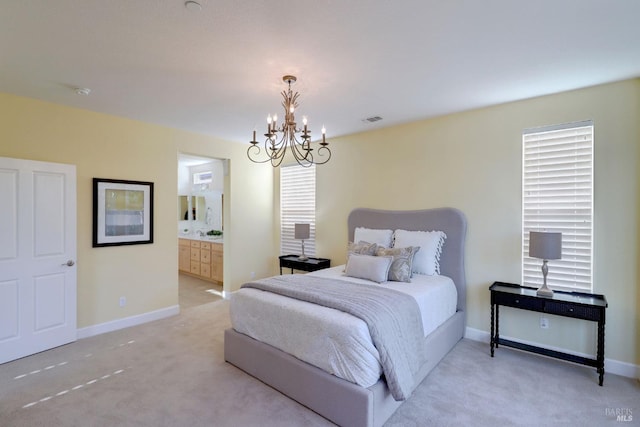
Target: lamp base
544,291
303,257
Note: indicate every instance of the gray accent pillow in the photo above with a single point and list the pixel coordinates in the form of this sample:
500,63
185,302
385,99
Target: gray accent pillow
362,248
374,268
402,263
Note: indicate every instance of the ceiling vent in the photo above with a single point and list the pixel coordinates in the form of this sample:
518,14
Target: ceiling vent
372,119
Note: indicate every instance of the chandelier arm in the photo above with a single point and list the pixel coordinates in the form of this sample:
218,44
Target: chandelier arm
254,147
276,149
299,150
320,152
279,153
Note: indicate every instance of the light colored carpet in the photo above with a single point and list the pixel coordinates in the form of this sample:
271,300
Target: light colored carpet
172,373
193,291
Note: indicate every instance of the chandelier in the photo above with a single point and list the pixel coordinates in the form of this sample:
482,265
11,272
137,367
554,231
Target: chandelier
287,135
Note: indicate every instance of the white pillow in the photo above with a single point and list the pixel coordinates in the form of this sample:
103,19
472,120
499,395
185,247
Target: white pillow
374,268
427,259
371,235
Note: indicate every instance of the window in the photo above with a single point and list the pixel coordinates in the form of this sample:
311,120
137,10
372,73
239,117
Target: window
202,177
297,205
557,195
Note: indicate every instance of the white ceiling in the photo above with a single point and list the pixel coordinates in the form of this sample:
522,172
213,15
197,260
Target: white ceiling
218,71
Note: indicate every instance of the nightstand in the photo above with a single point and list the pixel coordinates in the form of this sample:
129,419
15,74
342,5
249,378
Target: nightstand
312,264
577,305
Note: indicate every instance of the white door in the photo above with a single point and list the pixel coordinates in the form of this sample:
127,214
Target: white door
37,256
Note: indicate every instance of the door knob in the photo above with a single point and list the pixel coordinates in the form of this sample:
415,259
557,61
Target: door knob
69,263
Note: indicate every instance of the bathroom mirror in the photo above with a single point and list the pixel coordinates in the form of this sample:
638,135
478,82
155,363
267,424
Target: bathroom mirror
196,204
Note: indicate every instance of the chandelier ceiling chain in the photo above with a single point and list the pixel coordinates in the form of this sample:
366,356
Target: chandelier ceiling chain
287,135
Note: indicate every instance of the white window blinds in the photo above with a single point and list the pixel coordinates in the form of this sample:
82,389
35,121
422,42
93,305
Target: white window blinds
297,205
557,195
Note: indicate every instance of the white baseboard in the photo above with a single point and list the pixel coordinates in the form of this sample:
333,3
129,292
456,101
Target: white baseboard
476,335
611,366
139,319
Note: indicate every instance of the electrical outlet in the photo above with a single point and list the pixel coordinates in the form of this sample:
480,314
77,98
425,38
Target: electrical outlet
123,301
253,274
544,323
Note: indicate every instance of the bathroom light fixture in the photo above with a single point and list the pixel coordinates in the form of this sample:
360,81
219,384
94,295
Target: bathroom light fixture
279,138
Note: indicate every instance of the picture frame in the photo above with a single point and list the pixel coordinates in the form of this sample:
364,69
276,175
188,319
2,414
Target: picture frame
122,212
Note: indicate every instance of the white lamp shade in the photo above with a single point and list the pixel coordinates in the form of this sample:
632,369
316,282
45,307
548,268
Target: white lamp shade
302,231
545,245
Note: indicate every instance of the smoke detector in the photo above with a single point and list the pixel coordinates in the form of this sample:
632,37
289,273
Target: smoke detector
82,91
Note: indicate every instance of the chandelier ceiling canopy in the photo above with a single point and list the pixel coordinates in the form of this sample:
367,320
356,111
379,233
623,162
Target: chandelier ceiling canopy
284,136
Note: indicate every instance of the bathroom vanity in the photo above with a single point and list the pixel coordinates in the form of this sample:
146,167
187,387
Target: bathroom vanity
201,257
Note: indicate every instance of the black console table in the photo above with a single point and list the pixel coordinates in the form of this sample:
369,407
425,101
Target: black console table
295,263
568,304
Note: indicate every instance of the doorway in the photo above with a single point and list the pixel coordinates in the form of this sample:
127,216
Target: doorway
200,228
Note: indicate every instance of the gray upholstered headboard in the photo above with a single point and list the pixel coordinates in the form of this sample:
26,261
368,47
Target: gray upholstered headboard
450,220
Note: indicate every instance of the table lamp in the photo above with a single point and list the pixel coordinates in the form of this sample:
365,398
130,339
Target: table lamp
302,233
545,246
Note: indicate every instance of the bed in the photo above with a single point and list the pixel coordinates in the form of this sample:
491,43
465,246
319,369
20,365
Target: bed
341,400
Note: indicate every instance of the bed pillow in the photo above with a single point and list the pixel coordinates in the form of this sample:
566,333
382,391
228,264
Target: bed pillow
374,268
401,264
381,237
361,248
427,259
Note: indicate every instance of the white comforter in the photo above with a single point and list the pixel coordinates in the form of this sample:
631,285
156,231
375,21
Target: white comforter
332,340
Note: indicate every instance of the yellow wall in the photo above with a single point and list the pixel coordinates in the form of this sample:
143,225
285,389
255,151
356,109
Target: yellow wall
111,147
472,161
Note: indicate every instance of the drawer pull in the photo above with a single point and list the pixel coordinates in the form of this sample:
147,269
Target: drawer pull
517,301
570,309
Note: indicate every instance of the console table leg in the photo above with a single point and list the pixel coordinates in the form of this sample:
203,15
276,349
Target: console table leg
497,335
600,355
491,336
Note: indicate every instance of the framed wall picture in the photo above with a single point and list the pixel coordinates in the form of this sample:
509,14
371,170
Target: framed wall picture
122,212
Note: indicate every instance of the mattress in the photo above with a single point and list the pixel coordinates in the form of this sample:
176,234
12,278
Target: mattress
329,339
